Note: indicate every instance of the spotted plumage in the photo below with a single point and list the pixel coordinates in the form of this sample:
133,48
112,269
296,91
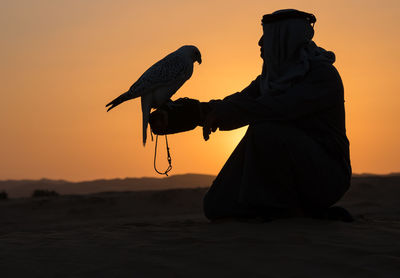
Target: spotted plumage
160,82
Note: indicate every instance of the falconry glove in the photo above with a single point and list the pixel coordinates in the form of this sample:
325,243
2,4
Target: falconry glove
181,115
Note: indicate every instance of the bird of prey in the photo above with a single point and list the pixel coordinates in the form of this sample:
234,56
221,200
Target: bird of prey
160,82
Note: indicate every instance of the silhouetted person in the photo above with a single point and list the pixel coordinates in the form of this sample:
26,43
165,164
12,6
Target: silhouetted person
294,158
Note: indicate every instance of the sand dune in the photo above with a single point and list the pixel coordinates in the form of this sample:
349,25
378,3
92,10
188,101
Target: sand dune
164,234
24,188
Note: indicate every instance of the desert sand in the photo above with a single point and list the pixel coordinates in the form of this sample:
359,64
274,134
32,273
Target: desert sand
163,233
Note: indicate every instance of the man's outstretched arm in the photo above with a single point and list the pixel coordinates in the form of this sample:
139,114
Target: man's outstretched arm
185,114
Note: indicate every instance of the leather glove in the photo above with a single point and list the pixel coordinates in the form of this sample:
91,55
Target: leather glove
181,115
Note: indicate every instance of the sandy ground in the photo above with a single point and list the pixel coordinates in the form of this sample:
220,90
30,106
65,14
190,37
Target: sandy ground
164,234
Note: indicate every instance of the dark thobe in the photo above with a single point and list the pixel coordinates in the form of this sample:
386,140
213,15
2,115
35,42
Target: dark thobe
295,153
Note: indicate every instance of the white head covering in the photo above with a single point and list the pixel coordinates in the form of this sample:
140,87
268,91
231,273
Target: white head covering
287,51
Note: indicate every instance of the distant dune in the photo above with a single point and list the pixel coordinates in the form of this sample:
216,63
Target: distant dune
24,188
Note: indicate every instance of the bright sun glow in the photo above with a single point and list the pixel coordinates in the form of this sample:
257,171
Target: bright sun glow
62,61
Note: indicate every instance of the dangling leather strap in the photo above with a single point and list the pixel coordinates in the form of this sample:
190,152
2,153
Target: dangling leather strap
169,168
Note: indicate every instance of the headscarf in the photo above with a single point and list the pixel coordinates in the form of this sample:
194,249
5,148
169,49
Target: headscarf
288,50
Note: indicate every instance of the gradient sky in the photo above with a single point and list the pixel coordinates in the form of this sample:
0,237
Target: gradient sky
62,61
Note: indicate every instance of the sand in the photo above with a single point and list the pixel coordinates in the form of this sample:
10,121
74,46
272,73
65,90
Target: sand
164,234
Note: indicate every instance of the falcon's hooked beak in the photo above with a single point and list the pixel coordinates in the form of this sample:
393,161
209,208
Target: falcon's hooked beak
196,56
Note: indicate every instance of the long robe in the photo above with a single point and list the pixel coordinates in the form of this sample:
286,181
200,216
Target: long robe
295,153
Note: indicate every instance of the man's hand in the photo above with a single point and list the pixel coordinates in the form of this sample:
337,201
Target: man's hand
212,117
210,124
220,114
159,121
176,116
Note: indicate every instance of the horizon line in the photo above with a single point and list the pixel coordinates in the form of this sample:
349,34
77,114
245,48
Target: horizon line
164,177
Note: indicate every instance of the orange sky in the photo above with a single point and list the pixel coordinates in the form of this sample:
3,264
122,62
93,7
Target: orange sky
62,61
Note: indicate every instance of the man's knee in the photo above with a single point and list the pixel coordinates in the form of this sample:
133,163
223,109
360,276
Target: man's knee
217,203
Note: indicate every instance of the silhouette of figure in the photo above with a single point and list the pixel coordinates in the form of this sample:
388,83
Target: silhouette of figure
294,158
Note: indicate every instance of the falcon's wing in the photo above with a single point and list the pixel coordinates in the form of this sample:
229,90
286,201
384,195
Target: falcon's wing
169,70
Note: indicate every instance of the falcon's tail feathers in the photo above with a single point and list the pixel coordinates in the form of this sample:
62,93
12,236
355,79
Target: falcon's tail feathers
146,108
124,97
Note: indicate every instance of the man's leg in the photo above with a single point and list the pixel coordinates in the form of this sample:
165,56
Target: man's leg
287,168
221,200
275,166
256,178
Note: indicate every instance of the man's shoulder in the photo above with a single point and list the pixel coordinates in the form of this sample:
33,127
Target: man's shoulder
316,66
323,70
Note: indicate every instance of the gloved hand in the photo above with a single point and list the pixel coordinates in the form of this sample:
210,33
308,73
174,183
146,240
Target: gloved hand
178,116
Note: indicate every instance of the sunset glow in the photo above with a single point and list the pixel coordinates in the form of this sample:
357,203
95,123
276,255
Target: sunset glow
62,61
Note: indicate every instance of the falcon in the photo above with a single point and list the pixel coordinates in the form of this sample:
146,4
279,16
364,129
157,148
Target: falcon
160,82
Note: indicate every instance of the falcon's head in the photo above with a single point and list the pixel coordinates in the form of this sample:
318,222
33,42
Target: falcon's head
193,52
